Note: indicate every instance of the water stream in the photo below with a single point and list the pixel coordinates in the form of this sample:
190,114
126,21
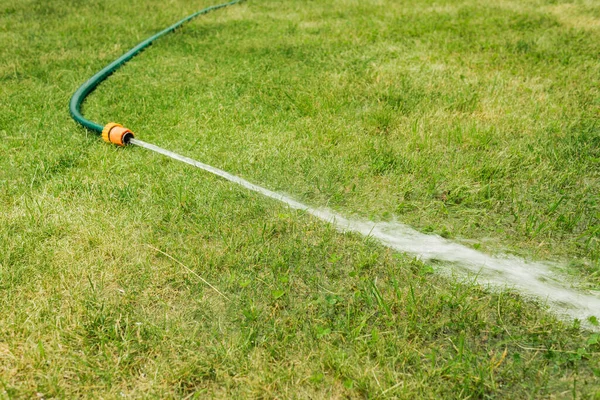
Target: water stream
534,279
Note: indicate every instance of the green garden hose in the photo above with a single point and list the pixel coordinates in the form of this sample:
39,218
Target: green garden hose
112,132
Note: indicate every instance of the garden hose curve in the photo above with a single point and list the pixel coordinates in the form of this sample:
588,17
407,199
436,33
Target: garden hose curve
112,132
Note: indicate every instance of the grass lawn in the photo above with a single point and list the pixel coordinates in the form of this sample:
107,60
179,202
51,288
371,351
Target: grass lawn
474,120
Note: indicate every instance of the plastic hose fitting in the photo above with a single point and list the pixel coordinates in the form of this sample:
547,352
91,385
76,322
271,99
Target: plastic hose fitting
117,134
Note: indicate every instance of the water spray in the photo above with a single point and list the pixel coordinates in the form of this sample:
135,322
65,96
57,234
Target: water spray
535,279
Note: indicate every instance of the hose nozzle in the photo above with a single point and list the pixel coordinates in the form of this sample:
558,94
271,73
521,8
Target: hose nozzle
116,134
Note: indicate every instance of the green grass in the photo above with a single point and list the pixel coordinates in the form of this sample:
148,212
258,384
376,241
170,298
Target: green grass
478,122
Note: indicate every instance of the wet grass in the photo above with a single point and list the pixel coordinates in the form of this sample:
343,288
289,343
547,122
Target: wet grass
125,274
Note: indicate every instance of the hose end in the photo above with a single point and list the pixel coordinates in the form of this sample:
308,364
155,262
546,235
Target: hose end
116,134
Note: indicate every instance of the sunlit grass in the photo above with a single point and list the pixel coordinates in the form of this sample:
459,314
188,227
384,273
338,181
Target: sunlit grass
478,122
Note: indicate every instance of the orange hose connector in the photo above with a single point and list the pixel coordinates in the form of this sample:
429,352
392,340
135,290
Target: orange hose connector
117,134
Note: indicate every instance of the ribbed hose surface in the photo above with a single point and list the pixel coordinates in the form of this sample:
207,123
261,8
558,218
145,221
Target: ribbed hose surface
91,84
